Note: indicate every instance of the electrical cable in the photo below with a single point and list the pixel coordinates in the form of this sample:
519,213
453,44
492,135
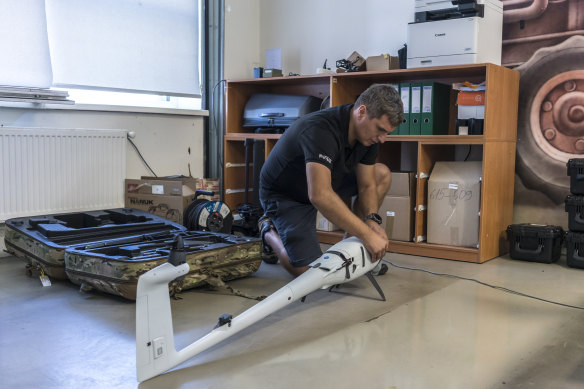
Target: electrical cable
141,157
484,284
468,154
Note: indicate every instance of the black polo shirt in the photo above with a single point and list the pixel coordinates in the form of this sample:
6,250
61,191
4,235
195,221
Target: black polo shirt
320,137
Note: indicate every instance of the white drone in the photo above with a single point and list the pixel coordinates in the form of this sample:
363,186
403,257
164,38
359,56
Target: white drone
155,350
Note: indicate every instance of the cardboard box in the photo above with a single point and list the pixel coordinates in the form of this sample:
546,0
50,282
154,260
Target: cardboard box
454,199
322,224
357,59
402,184
470,98
397,209
164,186
397,215
381,62
267,73
471,112
164,197
211,184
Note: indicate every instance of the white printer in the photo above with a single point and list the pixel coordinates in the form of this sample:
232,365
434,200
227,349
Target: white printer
455,32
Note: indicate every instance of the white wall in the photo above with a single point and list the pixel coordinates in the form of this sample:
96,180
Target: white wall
163,140
242,38
310,31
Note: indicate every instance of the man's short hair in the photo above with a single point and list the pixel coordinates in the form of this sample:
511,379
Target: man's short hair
382,99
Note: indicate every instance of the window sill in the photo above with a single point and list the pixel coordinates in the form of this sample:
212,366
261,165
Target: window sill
105,108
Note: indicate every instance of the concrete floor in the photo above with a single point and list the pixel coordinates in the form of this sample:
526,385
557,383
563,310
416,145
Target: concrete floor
433,332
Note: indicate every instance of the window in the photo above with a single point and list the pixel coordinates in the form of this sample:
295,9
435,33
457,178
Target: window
115,52
98,97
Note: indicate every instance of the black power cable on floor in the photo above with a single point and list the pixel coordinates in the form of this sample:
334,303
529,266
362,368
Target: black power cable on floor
141,157
483,283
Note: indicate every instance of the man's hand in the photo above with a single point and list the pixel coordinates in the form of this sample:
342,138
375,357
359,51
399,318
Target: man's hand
322,196
376,243
377,228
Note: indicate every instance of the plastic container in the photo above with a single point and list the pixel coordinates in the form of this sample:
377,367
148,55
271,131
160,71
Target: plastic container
535,242
575,249
575,208
576,172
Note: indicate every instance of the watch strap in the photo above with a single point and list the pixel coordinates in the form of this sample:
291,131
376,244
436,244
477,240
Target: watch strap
373,216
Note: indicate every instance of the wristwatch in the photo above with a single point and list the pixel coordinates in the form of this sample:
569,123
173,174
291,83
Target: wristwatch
373,216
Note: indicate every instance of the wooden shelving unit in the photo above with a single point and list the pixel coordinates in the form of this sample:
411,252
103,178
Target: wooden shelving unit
497,145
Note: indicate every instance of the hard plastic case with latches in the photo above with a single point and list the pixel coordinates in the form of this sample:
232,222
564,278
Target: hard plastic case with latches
535,242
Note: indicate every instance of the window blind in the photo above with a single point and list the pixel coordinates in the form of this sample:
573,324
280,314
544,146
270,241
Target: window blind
24,46
148,46
135,45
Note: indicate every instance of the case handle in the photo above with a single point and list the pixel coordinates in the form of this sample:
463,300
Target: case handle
577,256
271,114
537,251
579,177
578,218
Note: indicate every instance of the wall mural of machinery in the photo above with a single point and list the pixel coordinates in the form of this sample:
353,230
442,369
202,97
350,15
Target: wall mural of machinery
544,41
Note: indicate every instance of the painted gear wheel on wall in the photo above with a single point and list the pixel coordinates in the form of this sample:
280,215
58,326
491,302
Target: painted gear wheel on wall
550,128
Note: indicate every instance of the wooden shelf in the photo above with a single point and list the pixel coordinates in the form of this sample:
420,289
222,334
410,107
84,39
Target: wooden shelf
439,139
421,249
496,145
330,237
435,250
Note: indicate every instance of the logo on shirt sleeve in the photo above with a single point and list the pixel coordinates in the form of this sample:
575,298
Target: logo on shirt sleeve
325,157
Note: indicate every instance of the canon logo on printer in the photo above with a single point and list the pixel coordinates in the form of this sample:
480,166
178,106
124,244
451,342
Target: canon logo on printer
140,201
325,157
441,34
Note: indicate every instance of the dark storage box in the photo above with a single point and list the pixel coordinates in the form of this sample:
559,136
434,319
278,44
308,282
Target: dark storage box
575,249
576,173
535,242
575,209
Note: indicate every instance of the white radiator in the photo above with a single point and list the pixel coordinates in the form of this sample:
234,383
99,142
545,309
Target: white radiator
46,171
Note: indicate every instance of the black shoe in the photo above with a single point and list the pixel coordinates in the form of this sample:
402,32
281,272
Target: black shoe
265,225
271,259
